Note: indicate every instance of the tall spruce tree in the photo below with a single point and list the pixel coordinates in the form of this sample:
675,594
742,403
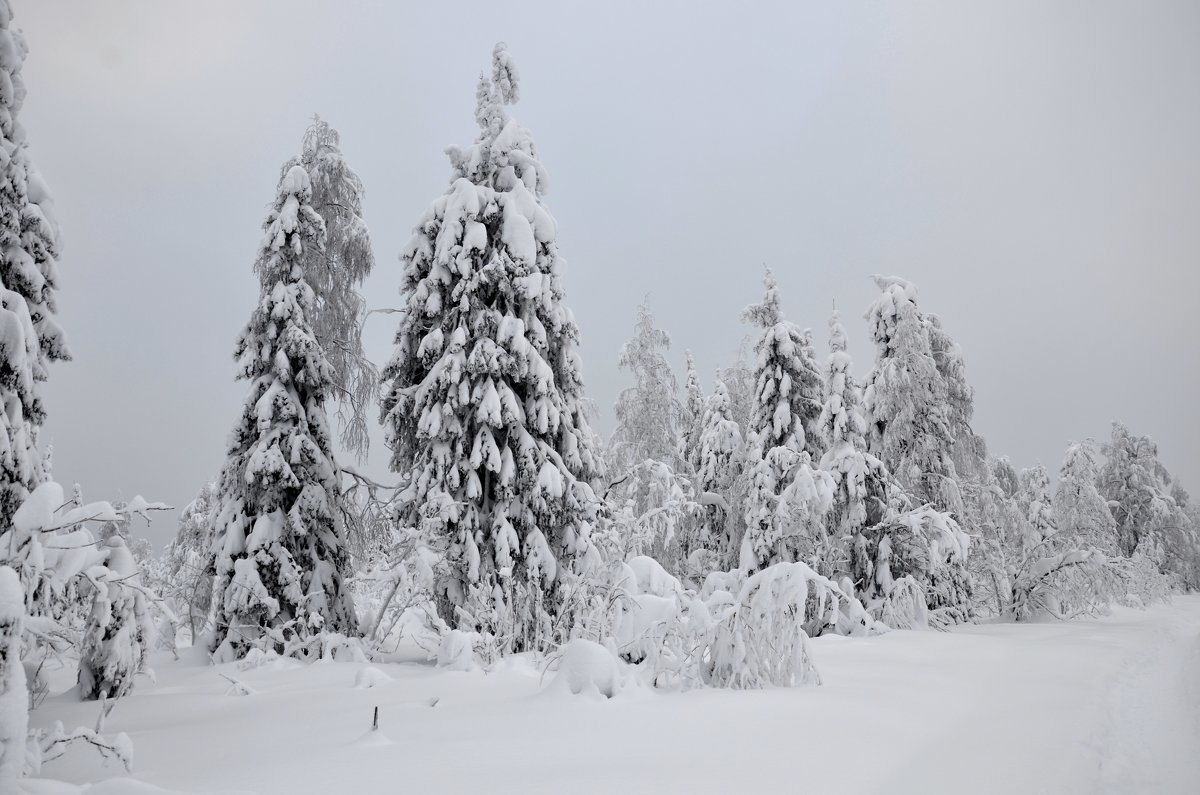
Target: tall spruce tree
649,414
483,404
861,482
907,400
30,337
278,539
693,415
717,469
786,499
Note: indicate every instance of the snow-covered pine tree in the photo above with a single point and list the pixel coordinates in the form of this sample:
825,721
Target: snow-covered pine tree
717,469
907,400
30,337
693,415
278,540
786,499
335,272
649,414
483,404
861,482
1079,510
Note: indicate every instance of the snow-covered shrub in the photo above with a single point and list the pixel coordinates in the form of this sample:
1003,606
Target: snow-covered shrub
925,545
758,640
117,637
649,509
395,598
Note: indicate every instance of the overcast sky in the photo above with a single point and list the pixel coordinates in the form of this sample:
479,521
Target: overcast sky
1033,167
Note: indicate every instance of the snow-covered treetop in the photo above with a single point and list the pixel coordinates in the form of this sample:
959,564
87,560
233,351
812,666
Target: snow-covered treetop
841,415
787,391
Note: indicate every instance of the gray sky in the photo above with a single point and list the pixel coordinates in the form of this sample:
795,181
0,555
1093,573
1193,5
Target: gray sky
1033,167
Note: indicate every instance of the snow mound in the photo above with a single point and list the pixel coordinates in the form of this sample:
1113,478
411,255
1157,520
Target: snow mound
370,677
457,652
587,668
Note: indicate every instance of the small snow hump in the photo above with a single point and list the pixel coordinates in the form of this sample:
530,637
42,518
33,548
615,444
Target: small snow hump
587,668
370,677
296,182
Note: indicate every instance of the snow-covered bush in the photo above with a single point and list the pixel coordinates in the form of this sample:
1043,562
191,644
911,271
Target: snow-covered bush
922,549
758,639
117,637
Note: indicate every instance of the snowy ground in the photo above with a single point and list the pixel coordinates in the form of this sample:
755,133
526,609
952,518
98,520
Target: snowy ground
1111,705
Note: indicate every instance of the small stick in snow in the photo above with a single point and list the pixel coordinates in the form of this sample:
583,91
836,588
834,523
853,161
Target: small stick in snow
375,723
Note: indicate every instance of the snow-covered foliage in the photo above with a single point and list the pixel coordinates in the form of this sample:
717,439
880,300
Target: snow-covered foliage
786,505
919,552
860,481
1136,486
788,383
335,272
718,467
188,580
278,538
693,415
395,596
649,414
14,699
652,513
117,637
30,337
483,404
786,499
907,400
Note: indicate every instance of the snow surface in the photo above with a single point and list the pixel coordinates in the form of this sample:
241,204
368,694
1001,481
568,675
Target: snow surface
1107,705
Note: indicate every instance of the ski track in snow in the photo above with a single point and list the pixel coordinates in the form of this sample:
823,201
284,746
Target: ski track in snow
1091,706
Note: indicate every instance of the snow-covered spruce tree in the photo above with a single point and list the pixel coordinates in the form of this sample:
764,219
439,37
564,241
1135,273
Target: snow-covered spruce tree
646,451
1079,510
483,404
30,337
649,414
278,541
717,470
786,498
861,494
693,415
335,272
1034,499
907,400
787,382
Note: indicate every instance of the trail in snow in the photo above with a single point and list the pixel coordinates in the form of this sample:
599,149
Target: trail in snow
1106,705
